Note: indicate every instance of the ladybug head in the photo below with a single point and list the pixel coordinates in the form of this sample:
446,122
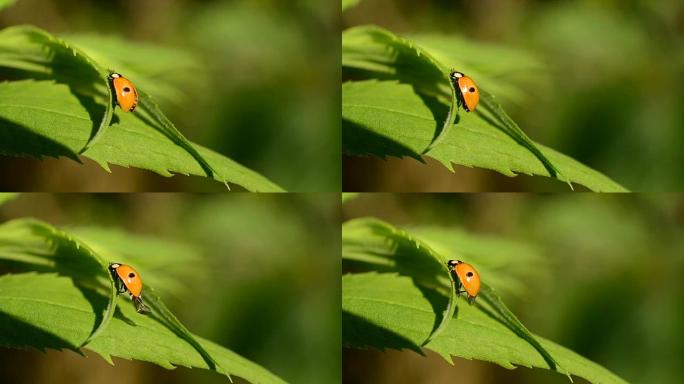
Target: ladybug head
455,75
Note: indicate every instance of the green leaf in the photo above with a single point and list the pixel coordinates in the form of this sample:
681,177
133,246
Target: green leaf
508,264
166,317
69,257
31,50
7,196
386,118
413,118
346,4
369,244
489,296
82,95
407,254
166,264
368,240
162,71
165,126
43,118
374,52
52,311
40,247
390,311
6,3
349,196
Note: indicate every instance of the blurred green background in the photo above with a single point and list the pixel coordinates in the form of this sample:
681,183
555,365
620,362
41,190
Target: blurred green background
609,285
266,285
254,80
611,95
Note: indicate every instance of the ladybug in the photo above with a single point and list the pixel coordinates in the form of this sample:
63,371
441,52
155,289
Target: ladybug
128,279
466,90
126,96
468,278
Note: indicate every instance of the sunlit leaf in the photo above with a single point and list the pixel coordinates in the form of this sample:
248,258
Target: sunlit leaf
44,118
71,286
410,115
387,118
69,112
51,311
390,311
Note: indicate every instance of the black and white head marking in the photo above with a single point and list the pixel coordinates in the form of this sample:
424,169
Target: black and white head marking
454,75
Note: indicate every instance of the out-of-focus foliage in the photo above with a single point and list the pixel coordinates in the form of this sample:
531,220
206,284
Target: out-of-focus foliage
219,276
605,277
7,196
228,74
609,96
346,4
6,3
273,69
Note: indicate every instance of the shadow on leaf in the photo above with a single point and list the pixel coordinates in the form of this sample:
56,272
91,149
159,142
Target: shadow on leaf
97,302
439,113
19,140
366,142
19,334
358,332
438,302
71,70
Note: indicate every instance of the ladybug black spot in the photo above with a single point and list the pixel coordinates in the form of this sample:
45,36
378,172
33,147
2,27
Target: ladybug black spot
472,89
131,275
469,274
126,89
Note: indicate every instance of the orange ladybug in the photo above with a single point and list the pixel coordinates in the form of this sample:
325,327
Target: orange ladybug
468,278
128,279
126,94
466,90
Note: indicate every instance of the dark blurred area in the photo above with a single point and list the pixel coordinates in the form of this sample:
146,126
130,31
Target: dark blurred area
268,286
611,96
611,290
264,92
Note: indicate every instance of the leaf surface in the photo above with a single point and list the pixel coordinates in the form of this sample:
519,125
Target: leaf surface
68,265
51,311
69,110
410,116
386,310
44,118
387,118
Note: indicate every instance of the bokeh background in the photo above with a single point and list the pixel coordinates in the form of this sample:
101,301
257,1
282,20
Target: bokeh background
610,96
266,285
254,80
608,285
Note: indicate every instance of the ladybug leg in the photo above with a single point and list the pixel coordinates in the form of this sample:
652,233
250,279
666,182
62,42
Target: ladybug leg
459,103
458,287
140,305
120,287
